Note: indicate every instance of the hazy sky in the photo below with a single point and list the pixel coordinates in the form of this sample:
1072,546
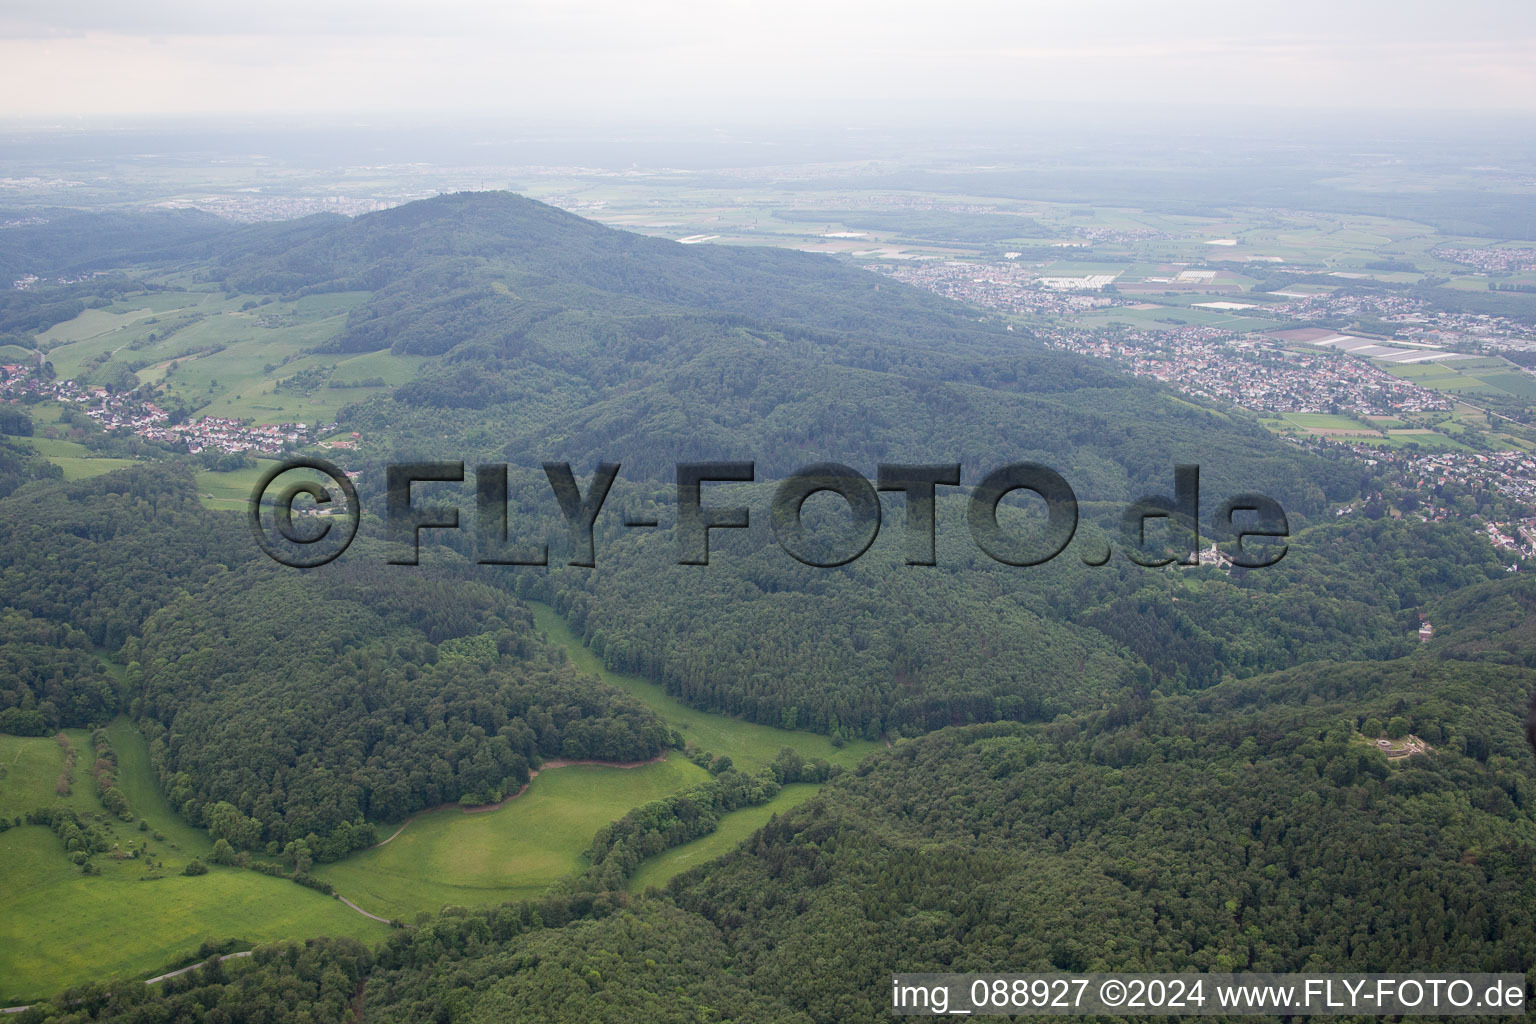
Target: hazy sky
88,57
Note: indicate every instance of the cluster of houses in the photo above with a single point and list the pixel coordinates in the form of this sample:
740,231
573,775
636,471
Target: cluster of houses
217,433
149,421
1254,372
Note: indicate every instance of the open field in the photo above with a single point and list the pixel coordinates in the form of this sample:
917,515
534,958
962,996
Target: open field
75,459
1324,421
57,448
117,924
734,827
222,359
449,857
1162,318
79,469
92,323
1426,439
230,491
1489,376
131,919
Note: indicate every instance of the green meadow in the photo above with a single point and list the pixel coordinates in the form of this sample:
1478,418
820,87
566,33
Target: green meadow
133,918
231,491
450,857
734,827
75,459
223,359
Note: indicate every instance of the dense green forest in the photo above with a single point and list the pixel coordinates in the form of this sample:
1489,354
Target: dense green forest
1249,827
50,678
50,241
102,554
281,706
1090,767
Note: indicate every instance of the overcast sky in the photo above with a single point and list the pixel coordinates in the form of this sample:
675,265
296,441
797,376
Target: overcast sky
94,57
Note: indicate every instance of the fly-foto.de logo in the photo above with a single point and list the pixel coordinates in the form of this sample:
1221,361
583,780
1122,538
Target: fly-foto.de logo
308,522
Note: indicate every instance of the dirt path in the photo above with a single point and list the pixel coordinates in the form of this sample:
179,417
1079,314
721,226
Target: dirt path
193,967
360,910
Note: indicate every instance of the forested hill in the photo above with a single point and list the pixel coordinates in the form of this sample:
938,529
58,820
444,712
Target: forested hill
546,336
52,241
282,707
553,336
1250,828
545,247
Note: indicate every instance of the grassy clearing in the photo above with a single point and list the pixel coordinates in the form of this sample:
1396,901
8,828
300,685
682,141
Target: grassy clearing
92,323
448,857
51,448
230,491
59,927
734,827
452,858
749,745
79,469
137,781
74,458
31,765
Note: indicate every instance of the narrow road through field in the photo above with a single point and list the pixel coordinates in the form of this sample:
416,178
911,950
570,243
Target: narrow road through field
360,910
193,967
168,974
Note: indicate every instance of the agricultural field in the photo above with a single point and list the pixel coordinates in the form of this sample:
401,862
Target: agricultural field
1430,440
238,357
450,857
1325,422
1162,318
1488,376
131,919
75,459
1098,234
